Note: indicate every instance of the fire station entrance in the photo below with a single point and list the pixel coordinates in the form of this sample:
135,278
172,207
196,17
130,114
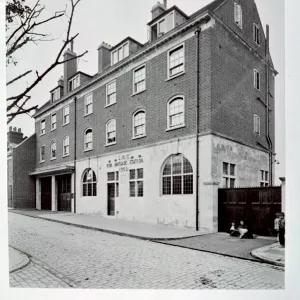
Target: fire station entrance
45,193
63,192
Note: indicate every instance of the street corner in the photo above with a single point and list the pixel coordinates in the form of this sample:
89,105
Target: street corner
17,260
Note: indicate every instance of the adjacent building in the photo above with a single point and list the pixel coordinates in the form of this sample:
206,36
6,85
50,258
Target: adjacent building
162,125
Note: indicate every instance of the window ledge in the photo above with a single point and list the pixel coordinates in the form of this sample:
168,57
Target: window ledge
110,104
65,124
66,155
85,115
239,26
134,94
175,76
42,161
257,44
42,134
53,129
177,127
87,150
138,137
107,145
54,158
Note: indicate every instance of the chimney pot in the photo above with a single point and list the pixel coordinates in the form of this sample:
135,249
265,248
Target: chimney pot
10,128
15,128
19,130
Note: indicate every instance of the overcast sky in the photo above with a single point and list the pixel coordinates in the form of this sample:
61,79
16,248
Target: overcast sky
111,21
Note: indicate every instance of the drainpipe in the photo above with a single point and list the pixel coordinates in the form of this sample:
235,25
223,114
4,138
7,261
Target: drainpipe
268,107
198,32
75,135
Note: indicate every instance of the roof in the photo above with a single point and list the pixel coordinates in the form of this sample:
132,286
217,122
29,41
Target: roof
123,41
211,6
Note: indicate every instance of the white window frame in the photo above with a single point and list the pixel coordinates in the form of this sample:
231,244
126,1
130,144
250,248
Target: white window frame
55,95
168,113
42,160
86,98
134,136
168,59
133,79
107,85
263,181
85,140
64,115
256,124
115,181
64,153
228,176
75,83
92,183
51,153
255,74
106,132
256,34
53,123
122,48
43,129
238,15
136,180
163,19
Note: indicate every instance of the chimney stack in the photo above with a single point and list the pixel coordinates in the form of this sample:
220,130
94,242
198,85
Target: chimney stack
104,57
70,67
165,4
60,81
15,129
14,135
158,9
19,130
10,128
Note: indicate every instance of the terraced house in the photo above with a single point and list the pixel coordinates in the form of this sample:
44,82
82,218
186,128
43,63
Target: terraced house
162,125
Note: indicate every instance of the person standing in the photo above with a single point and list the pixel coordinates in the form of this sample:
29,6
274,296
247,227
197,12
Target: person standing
276,225
281,225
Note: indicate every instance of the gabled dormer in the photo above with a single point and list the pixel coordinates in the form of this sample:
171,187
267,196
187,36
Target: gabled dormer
78,79
57,92
164,20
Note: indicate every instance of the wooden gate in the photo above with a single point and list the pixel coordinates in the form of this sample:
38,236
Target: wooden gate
256,206
64,192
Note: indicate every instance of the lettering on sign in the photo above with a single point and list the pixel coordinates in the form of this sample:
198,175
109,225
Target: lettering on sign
124,161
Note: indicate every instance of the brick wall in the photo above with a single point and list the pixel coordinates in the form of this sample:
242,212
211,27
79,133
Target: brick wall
24,157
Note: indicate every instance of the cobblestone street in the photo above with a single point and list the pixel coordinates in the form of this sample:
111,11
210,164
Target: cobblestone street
67,256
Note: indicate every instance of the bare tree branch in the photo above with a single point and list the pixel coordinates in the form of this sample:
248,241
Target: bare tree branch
19,77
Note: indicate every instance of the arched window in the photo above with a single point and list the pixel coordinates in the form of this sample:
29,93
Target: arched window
176,112
53,150
88,139
177,176
111,132
89,183
66,146
139,123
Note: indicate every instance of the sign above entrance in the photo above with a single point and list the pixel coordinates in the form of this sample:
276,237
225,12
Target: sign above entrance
123,161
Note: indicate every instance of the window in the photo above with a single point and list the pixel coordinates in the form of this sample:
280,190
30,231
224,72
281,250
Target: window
256,34
177,176
264,178
89,183
256,79
238,15
55,95
139,79
139,124
66,115
42,153
66,146
53,122
120,53
113,178
88,139
256,124
43,127
53,150
162,26
88,104
74,83
136,183
111,93
111,132
228,175
176,112
176,61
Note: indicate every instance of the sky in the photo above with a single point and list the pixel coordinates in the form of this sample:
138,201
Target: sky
111,21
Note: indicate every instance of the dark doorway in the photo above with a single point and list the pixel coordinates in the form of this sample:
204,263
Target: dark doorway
46,193
64,192
10,196
111,196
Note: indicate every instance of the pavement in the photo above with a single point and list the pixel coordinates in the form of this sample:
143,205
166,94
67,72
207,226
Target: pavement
113,225
17,260
274,254
69,256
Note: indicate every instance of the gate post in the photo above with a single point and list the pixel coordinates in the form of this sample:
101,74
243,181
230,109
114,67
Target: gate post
38,204
282,194
72,193
53,194
208,206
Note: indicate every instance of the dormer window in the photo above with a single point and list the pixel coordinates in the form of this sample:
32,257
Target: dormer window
120,53
74,83
163,26
55,95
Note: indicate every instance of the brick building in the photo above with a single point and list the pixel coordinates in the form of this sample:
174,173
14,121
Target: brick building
195,101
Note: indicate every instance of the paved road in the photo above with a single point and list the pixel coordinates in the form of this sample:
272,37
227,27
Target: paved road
64,256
